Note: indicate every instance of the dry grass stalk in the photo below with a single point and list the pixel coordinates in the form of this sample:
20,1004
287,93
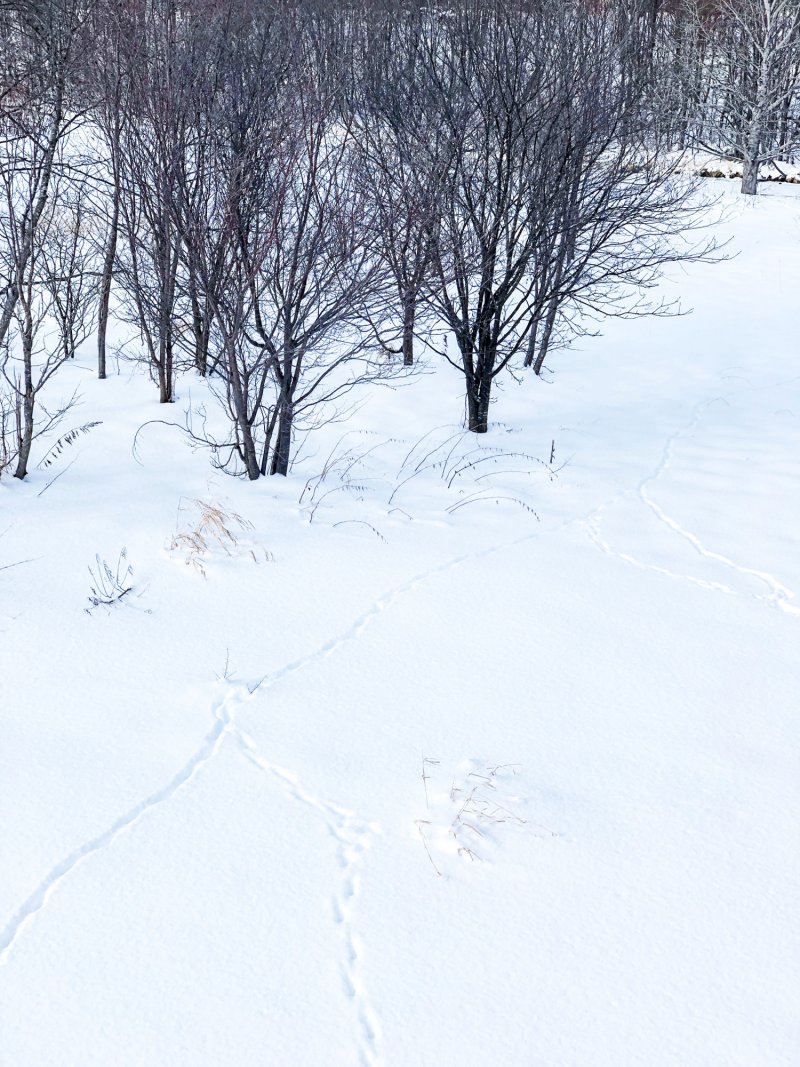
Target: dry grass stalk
215,526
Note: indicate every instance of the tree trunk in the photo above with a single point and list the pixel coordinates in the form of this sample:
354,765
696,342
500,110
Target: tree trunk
105,289
550,322
757,123
25,437
249,451
409,318
238,396
68,339
165,361
25,431
783,122
200,326
533,336
280,457
478,394
165,375
750,177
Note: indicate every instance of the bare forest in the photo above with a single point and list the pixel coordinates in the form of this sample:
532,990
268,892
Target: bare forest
300,200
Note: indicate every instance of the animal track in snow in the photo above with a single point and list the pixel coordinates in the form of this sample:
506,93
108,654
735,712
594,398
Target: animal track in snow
223,714
592,528
353,836
778,596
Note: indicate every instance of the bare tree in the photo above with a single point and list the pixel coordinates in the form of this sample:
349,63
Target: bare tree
37,347
396,130
741,64
314,291
68,263
234,164
34,128
112,27
624,209
277,234
492,74
35,172
555,205
151,143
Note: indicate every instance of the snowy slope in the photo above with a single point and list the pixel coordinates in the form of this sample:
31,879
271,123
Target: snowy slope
412,775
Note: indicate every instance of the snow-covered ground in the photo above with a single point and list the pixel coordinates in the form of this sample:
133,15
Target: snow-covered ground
452,761
712,166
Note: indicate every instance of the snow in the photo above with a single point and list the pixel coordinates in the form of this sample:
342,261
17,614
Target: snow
408,775
712,166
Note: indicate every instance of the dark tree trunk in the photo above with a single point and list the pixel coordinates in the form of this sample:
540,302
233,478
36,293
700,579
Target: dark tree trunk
533,335
165,375
25,430
25,436
201,327
249,452
478,412
238,394
550,321
479,388
280,457
69,328
105,289
409,320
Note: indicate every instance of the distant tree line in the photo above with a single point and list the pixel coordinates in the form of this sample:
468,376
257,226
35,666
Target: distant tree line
286,196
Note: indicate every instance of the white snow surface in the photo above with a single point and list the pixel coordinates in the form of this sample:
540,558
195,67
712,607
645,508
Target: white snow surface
498,771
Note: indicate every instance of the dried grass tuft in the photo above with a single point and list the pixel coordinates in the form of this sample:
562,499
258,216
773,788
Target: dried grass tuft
214,528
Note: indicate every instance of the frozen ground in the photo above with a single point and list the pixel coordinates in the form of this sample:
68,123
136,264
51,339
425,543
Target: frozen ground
424,778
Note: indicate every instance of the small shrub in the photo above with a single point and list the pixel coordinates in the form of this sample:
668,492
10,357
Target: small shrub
110,585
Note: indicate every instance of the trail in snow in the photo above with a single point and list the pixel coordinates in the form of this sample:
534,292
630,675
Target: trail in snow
207,750
702,583
779,595
353,836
